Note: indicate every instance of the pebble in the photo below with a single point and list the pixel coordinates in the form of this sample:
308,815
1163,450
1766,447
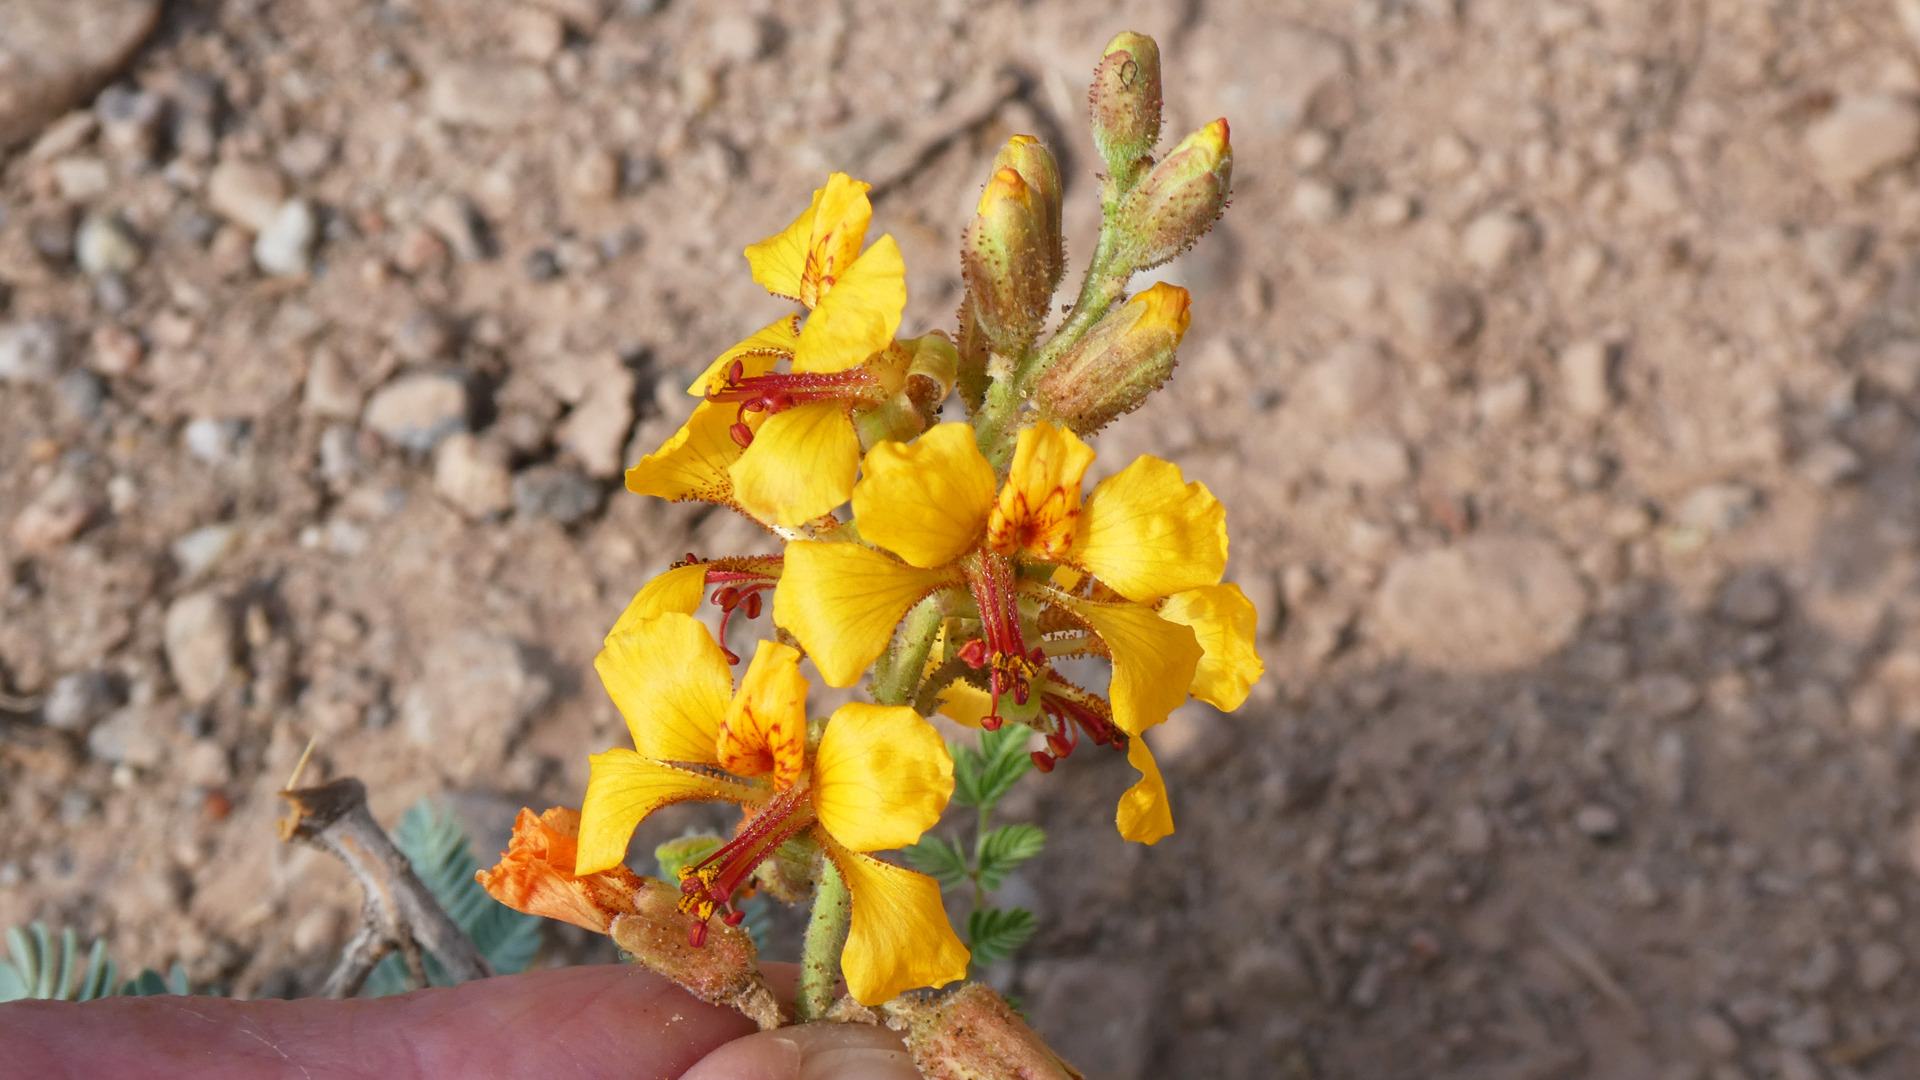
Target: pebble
739,37
248,194
423,337
1596,822
1809,1029
105,246
213,441
1495,240
306,155
339,457
1665,695
541,266
284,247
77,699
130,122
57,52
554,491
1316,201
198,551
81,394
1653,187
1638,889
1830,463
1472,833
475,695
1879,964
200,636
32,352
56,515
472,474
1586,377
596,430
330,389
1505,402
456,221
1752,597
494,96
1862,135
1718,507
1491,602
127,738
113,293
595,175
1438,317
64,136
1836,251
1368,461
82,177
417,411
205,764
534,33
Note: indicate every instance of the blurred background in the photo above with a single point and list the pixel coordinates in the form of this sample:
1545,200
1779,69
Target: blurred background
1556,361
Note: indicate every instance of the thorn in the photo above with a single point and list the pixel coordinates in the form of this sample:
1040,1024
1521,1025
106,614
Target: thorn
301,765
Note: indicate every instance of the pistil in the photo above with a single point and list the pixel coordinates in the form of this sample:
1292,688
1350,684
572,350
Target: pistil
710,884
777,392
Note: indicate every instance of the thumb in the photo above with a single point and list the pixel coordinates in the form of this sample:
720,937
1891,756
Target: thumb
810,1052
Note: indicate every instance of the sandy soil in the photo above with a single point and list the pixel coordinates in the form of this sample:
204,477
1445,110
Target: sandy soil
1557,362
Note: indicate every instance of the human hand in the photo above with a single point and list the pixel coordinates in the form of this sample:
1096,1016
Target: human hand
613,1022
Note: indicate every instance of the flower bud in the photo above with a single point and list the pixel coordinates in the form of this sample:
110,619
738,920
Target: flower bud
1125,103
936,364
1011,256
683,852
1178,201
1125,357
972,1034
1030,158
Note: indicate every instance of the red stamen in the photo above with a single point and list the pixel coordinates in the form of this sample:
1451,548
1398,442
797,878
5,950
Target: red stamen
733,918
753,604
1042,761
741,434
711,883
1059,745
697,934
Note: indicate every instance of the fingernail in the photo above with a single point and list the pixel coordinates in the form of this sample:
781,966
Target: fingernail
859,1063
765,1056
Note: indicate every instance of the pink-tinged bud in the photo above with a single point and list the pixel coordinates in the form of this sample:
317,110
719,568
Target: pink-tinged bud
1126,356
971,1034
1179,200
1125,103
1012,257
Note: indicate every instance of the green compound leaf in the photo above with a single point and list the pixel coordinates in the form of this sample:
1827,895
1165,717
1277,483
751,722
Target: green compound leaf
994,933
941,860
43,966
981,777
1005,848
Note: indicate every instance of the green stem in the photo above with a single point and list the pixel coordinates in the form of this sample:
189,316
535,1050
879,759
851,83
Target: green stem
826,938
899,673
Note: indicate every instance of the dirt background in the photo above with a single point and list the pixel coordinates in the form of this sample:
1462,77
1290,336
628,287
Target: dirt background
1556,361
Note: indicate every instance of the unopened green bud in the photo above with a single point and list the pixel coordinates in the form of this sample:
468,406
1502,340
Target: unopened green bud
683,852
1125,103
1125,357
1011,256
1179,200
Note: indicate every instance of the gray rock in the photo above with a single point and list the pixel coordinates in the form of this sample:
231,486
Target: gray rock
55,53
81,394
105,246
474,697
1861,136
1490,603
77,699
56,515
1718,508
472,474
1831,463
127,738
201,638
32,352
556,492
1368,461
339,457
417,411
1664,695
1752,597
1438,317
596,429
285,246
1715,1035
1809,1029
211,440
330,389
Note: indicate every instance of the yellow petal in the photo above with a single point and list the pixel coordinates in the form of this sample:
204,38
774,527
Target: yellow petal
1039,507
693,463
843,600
780,261
1147,534
801,465
965,703
624,787
1225,622
757,355
881,776
1153,660
672,683
899,938
802,261
679,590
1144,814
859,317
765,730
926,500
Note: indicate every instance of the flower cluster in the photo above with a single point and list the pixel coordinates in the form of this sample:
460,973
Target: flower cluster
952,563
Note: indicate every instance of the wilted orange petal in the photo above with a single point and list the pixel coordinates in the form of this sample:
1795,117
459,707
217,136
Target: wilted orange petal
535,874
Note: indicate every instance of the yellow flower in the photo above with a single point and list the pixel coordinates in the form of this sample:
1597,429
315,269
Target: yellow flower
878,778
1131,572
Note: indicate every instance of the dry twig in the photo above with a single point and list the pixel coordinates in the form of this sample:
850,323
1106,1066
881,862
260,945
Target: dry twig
399,912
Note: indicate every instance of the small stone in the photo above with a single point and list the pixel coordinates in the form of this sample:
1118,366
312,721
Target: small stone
417,411
1665,695
1311,148
1489,603
419,251
1752,597
1638,889
494,96
1716,1036
55,53
1351,380
1316,201
104,246
56,515
1472,833
127,738
82,177
200,637
113,293
473,475
595,176
339,457
1494,240
1586,378
1879,964
1505,402
1861,136
130,122
32,352
1596,822
247,194
1836,251
596,430
534,33
1371,462
1438,317
1391,210
213,441
205,764
1671,770
198,551
115,351
739,38
475,696
1653,187
330,389
283,248
1810,1029
1796,1065
423,337
1830,463
556,492
64,136
541,265
456,221
77,699
1718,508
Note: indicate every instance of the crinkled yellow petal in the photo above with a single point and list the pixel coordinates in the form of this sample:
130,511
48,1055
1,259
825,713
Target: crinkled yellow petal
672,683
765,730
881,776
802,261
757,355
1225,622
843,601
693,463
900,938
1039,506
1148,534
859,317
679,590
624,787
1144,813
926,501
1153,660
801,465
780,261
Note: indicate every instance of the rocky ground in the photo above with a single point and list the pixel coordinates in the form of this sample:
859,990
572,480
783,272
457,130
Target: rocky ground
1557,361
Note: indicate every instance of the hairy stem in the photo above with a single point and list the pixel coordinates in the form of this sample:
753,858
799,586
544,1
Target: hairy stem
826,937
899,673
